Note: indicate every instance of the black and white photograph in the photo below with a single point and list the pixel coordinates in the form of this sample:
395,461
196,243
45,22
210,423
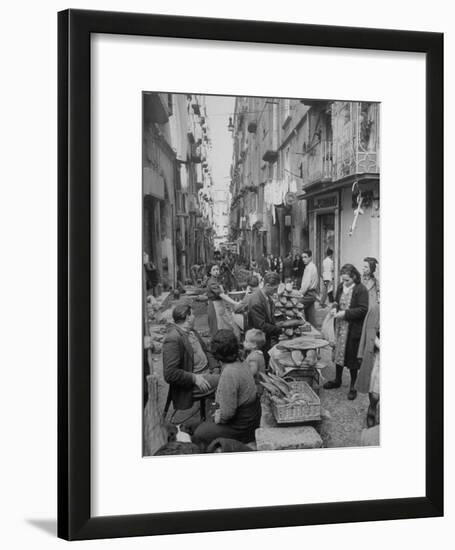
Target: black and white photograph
261,273
219,219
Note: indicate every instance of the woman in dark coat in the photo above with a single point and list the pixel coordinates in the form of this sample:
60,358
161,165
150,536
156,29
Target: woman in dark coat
349,308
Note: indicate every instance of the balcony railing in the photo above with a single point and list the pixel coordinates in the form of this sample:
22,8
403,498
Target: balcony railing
195,153
350,161
327,161
317,163
355,138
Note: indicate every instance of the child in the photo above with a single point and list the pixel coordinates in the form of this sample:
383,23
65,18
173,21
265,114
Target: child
253,344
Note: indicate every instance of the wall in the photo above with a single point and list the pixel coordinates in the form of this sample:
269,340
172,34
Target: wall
365,239
28,322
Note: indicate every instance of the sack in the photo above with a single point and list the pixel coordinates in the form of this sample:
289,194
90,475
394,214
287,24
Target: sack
328,330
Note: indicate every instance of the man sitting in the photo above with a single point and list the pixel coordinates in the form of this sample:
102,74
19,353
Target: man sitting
187,364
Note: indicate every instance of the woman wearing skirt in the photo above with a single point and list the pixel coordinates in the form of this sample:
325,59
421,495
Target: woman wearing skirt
219,317
350,308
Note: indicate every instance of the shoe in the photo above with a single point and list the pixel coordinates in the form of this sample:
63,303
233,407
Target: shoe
371,417
371,421
352,394
331,385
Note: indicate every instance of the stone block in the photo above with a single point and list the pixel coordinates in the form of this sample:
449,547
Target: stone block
267,418
294,437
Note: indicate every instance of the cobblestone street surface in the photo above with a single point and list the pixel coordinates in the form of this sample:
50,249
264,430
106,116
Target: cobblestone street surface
342,421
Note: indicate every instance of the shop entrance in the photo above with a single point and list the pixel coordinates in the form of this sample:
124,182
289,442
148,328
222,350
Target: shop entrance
325,237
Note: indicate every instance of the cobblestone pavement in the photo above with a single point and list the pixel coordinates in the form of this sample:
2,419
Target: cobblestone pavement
343,420
346,419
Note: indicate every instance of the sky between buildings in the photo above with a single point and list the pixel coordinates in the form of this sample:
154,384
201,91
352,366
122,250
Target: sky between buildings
219,109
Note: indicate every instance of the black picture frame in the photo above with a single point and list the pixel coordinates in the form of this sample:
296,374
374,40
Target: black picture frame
75,27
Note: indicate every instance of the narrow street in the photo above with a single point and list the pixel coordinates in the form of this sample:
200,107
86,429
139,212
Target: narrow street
243,192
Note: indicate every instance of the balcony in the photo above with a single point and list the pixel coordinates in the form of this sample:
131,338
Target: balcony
270,155
350,161
270,145
193,205
317,165
195,154
252,127
156,108
355,138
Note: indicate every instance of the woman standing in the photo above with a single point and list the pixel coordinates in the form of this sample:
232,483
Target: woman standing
350,308
239,412
370,281
368,354
218,316
279,261
272,263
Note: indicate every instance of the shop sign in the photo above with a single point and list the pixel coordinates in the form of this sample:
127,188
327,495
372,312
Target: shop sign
329,201
290,198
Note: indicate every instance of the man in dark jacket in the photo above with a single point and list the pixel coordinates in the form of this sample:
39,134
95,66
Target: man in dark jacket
298,269
261,310
188,365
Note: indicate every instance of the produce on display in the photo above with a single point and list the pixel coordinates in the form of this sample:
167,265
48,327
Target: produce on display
279,390
289,311
292,402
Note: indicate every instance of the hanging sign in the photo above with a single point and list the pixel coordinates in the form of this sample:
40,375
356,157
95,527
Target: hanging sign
290,198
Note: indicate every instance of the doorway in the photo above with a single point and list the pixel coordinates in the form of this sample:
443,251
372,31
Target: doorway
325,237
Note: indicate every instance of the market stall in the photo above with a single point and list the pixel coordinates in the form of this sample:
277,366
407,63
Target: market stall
293,381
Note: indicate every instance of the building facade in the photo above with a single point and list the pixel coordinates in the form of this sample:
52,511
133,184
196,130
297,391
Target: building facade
305,174
177,187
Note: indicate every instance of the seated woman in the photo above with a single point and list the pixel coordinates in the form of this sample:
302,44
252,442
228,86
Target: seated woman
239,412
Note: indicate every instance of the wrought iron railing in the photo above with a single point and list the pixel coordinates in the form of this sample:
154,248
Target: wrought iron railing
317,164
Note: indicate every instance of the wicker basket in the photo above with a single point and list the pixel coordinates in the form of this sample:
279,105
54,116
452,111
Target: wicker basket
291,413
310,375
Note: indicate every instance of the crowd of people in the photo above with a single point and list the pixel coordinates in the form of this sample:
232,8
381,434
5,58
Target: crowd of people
194,371
229,367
